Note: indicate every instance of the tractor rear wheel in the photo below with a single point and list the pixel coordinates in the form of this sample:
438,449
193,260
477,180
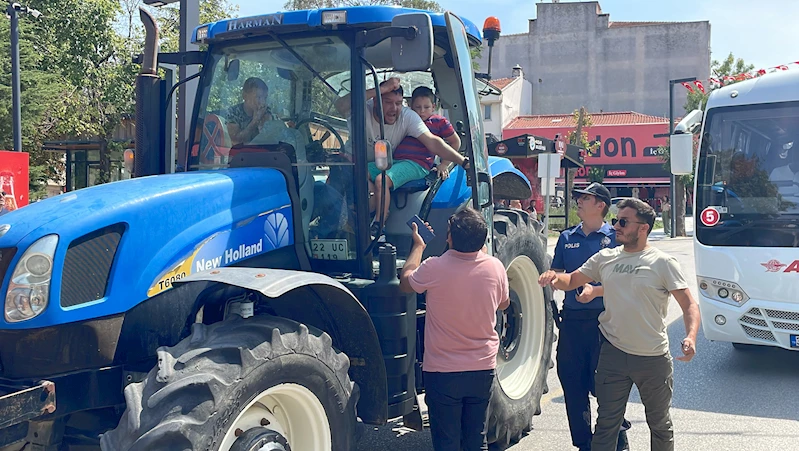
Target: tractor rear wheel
242,385
525,329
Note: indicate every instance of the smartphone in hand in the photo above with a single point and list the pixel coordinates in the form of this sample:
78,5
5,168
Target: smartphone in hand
426,234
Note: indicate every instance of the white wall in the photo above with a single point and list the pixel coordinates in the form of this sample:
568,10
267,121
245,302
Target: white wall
515,100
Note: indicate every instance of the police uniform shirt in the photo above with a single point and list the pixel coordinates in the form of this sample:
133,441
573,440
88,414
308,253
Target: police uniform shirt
573,249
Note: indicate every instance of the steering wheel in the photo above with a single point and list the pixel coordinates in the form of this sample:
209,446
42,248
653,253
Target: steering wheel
314,150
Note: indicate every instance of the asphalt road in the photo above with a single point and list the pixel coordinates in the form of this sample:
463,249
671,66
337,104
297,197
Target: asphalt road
725,399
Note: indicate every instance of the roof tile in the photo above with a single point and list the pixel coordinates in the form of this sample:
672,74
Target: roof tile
501,83
598,119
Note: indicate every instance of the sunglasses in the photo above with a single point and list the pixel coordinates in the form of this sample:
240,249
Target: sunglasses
623,222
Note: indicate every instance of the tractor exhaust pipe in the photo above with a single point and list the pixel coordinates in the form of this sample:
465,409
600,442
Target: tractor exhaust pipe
150,55
149,105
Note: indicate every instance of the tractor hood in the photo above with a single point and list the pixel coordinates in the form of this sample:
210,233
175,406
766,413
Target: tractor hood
160,227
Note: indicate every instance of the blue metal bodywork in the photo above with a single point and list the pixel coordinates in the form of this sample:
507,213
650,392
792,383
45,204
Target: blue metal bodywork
356,15
454,191
243,212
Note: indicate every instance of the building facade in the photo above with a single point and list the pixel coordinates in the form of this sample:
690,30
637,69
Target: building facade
626,159
574,55
514,99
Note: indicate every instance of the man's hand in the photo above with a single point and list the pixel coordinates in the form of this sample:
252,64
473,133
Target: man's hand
417,239
587,295
547,278
414,259
260,116
443,170
688,349
392,84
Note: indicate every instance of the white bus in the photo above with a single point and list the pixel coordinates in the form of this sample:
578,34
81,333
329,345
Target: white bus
746,239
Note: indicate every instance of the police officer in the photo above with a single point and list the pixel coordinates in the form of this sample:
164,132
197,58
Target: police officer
579,340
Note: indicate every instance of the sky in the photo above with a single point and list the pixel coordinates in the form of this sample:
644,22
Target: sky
761,32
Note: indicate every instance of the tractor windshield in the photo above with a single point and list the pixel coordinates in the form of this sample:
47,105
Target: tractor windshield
274,96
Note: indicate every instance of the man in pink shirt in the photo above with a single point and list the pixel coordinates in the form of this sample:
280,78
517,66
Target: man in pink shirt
465,288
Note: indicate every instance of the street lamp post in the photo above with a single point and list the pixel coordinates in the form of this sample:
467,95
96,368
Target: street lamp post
16,107
673,188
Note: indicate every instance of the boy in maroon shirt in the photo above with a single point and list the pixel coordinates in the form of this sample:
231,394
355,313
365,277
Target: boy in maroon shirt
413,160
423,102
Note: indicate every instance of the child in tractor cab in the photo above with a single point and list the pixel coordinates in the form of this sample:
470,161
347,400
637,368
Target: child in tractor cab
412,159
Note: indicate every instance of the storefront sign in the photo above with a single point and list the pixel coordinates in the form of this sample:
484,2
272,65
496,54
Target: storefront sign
14,179
618,144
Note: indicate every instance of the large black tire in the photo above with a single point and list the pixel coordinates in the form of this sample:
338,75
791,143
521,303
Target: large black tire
202,384
515,399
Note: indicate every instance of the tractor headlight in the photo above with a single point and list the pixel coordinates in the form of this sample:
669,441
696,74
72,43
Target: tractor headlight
29,291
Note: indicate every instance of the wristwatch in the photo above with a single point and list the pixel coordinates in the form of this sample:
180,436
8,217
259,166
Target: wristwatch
465,164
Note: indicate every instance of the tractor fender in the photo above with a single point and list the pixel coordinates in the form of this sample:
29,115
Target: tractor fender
508,182
325,303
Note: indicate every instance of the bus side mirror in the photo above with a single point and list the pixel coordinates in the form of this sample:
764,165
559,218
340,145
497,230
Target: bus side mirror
682,153
416,54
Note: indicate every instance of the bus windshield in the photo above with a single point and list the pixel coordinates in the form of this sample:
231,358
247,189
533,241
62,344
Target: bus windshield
749,173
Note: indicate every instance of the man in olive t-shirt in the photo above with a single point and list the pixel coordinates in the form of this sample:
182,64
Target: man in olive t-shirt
637,280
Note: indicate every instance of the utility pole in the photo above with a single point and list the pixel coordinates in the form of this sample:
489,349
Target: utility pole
677,208
16,106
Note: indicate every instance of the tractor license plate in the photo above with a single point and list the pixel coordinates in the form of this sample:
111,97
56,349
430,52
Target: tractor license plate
329,249
795,341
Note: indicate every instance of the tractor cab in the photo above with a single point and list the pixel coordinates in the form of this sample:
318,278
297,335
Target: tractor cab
292,87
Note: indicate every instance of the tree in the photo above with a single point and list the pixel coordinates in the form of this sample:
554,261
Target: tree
730,66
579,137
429,5
168,18
42,94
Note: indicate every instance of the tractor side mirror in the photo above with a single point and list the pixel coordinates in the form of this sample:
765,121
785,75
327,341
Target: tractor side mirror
232,69
416,54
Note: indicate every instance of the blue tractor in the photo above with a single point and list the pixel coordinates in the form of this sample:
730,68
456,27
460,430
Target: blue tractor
242,303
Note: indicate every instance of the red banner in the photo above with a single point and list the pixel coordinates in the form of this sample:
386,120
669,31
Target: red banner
13,180
727,79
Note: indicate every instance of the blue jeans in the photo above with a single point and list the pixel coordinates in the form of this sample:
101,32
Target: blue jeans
458,408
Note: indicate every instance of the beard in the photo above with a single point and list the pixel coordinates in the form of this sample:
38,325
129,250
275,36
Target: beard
627,240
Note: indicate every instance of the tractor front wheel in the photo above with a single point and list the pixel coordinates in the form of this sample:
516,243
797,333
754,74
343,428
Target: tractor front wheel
242,385
525,329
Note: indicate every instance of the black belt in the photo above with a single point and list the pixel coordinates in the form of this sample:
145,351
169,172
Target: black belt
568,314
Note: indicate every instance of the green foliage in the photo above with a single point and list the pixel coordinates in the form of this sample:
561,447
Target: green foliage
696,100
730,66
168,18
665,156
558,223
77,78
582,141
596,174
428,5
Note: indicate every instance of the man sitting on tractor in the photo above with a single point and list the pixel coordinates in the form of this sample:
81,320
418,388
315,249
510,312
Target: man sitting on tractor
244,120
399,122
